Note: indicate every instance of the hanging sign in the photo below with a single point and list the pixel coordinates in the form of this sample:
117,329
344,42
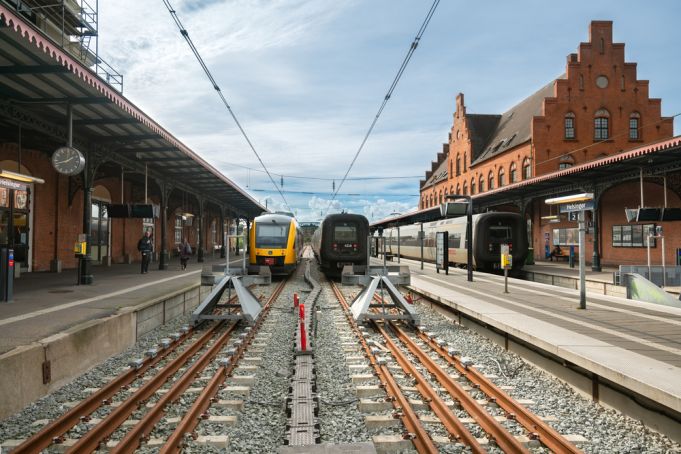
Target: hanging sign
577,206
12,184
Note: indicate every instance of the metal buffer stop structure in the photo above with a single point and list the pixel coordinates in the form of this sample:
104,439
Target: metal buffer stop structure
364,306
247,304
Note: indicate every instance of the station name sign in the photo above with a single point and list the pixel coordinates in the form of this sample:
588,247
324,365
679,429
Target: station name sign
577,206
12,184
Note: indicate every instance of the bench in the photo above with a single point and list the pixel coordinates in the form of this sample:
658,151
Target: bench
564,255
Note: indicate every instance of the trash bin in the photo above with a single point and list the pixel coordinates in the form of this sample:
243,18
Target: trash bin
6,274
530,256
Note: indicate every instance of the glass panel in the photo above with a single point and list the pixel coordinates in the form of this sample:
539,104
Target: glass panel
21,238
4,197
271,235
637,236
500,233
104,231
347,232
20,200
4,227
95,210
616,236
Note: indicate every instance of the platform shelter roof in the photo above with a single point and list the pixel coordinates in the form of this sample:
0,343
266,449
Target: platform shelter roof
654,159
39,79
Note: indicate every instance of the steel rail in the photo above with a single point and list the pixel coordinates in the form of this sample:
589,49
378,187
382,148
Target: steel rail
452,424
498,433
91,440
57,428
201,404
144,426
538,429
421,439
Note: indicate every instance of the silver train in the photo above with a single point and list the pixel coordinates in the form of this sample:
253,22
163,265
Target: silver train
490,231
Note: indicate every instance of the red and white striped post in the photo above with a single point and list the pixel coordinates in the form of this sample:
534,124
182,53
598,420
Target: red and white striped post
303,336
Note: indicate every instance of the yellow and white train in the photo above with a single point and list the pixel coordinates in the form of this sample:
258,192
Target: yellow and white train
276,241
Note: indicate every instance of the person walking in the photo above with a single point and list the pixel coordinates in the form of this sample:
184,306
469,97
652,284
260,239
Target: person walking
185,253
146,247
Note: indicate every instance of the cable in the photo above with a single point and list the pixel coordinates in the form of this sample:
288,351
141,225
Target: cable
404,177
331,193
400,71
185,35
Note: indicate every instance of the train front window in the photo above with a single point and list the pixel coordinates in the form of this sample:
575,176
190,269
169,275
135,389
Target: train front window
500,234
345,233
271,236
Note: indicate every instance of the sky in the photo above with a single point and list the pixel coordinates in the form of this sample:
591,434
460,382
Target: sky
306,78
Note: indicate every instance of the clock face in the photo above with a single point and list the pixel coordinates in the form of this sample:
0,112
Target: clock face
68,161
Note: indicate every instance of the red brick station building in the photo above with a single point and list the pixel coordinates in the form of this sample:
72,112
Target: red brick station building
128,175
594,129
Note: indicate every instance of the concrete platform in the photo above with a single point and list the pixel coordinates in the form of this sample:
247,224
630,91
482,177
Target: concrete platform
51,319
615,345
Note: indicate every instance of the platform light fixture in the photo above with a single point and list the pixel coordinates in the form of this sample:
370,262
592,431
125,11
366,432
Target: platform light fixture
574,198
20,177
550,217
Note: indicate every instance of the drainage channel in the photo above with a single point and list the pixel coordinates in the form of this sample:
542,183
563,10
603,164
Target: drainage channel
302,404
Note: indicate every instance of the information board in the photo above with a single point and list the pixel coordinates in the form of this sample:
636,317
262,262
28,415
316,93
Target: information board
442,251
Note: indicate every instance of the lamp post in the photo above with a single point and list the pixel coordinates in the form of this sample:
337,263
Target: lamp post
579,203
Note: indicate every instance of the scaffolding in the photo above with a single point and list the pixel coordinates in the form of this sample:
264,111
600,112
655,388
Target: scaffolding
73,24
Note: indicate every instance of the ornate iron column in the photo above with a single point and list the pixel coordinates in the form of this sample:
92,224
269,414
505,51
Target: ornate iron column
164,257
222,232
92,162
596,257
199,243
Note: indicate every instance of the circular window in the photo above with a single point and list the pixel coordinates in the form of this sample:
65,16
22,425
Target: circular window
601,82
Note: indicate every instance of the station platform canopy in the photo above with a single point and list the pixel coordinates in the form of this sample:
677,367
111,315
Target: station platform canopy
39,80
654,159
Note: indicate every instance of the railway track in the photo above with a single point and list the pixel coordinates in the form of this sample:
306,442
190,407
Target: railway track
159,380
462,413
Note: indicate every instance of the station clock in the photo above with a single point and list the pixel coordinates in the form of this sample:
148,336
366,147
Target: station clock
68,161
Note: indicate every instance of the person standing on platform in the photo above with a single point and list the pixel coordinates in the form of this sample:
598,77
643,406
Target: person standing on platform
185,253
146,247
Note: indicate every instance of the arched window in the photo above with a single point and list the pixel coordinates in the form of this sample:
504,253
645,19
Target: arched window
481,184
601,46
570,125
502,177
472,185
601,124
458,165
458,189
451,168
566,162
581,82
527,169
634,126
431,200
465,188
513,174
441,199
465,158
490,180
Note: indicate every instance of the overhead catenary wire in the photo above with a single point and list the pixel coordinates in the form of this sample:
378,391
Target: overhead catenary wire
351,194
388,95
301,177
195,51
